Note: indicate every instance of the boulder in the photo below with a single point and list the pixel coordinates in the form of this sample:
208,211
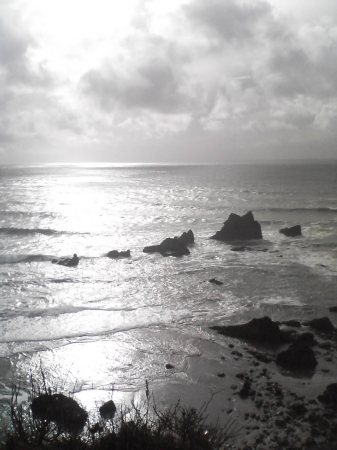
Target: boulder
176,246
67,262
246,389
329,396
237,228
64,411
322,325
333,309
115,254
292,231
152,249
215,281
263,330
299,356
108,410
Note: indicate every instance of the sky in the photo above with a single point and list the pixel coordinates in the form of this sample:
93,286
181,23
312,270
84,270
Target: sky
183,81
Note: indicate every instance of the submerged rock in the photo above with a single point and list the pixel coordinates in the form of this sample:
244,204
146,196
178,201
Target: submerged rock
329,396
237,228
64,411
67,262
108,410
294,231
299,356
169,366
322,325
176,246
263,330
215,281
115,254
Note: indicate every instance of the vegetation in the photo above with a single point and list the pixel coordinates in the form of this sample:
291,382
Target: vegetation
137,427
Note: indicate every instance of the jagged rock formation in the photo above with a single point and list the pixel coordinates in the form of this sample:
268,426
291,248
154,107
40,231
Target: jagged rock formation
237,228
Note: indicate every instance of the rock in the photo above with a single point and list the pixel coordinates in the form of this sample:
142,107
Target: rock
246,389
237,228
67,262
333,309
329,396
263,330
176,246
260,356
215,281
64,411
187,238
108,410
115,254
169,366
323,325
298,356
151,249
292,231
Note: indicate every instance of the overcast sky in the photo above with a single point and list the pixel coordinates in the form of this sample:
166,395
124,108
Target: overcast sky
167,81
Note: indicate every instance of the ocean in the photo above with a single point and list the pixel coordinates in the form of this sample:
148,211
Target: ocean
108,325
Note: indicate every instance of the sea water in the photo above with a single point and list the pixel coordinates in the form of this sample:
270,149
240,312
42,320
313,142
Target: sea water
116,323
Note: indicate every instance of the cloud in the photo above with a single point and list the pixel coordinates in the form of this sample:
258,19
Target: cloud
150,85
230,20
200,79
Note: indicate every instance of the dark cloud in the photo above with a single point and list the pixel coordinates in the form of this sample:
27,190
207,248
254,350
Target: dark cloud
147,76
299,74
15,66
230,20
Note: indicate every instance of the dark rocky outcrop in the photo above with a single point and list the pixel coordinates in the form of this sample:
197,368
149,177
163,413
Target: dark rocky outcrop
187,237
329,396
64,411
246,389
263,330
115,254
322,325
67,262
237,228
215,281
292,231
176,246
108,410
299,356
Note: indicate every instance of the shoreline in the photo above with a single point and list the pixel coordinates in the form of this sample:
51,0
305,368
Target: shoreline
280,410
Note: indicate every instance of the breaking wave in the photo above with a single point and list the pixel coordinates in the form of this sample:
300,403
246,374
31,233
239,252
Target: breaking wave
32,231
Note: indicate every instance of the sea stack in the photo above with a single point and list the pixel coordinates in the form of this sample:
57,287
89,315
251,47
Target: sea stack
238,228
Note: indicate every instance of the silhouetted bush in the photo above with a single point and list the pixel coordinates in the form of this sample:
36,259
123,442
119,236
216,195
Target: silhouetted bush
137,427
